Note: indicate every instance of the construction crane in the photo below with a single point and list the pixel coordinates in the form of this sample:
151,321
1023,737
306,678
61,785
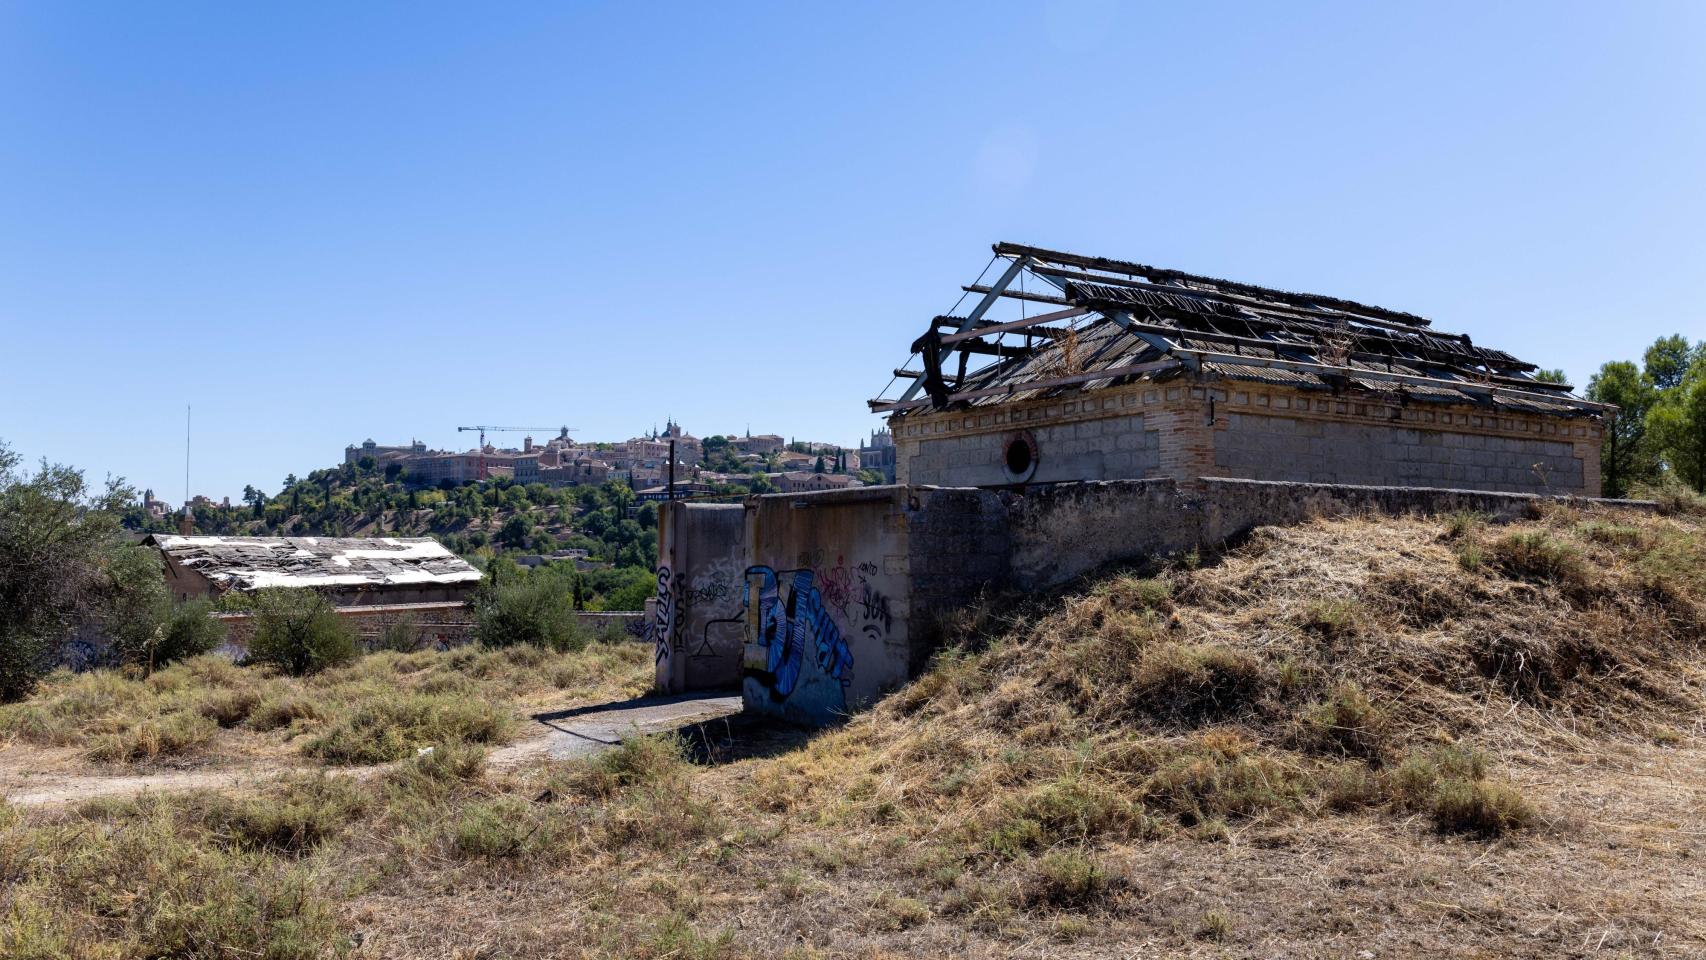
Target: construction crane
483,429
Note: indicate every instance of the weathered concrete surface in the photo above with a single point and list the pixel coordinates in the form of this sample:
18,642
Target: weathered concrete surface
698,617
585,731
827,595
838,596
1253,431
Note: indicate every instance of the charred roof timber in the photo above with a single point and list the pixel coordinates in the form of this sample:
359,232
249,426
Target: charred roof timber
1121,322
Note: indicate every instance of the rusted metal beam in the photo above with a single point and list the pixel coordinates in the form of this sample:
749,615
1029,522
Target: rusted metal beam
1214,356
1137,325
1019,295
1040,318
1161,275
932,358
1125,370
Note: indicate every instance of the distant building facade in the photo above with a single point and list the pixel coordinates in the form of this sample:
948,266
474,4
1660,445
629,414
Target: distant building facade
878,455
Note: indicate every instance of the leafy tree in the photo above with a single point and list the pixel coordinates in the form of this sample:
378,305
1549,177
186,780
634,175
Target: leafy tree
1677,426
515,532
179,631
58,541
1626,457
536,608
1667,361
1551,376
299,631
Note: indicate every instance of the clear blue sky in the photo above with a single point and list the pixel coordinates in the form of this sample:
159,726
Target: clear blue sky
324,222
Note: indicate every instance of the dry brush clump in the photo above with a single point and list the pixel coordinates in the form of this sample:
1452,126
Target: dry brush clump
1313,670
378,708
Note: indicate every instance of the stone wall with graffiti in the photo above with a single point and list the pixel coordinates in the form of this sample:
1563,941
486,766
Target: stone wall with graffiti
697,621
825,603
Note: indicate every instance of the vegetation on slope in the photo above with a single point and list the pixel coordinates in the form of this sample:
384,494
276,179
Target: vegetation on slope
378,708
1399,736
1658,437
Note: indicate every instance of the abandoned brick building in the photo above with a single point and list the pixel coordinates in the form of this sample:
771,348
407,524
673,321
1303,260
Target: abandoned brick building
1130,371
351,571
1197,409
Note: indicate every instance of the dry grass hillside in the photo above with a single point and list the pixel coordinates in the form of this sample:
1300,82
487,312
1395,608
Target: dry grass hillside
1355,738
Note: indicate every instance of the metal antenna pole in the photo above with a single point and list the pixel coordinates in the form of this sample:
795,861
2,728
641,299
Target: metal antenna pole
186,455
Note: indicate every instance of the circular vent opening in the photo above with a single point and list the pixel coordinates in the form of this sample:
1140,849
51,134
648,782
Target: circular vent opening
1020,458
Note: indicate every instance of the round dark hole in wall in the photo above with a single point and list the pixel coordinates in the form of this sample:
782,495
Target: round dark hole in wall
1019,458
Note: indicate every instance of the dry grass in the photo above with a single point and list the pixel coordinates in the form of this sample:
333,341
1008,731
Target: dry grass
1335,739
380,708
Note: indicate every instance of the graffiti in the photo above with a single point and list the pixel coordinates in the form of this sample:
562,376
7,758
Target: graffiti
867,569
835,584
874,606
664,622
784,623
708,591
730,629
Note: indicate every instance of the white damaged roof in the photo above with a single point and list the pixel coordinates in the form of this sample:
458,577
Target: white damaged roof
250,563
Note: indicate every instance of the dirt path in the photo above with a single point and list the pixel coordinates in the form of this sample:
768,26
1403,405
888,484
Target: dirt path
559,735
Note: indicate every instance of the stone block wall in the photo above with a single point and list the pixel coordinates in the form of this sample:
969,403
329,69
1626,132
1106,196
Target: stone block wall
1098,436
1187,429
957,549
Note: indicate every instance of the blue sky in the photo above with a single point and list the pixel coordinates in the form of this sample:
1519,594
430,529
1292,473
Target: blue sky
320,223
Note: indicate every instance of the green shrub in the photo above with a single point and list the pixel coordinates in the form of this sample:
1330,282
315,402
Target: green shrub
299,631
1213,786
1335,619
1462,523
402,635
1072,808
178,632
535,609
497,828
228,708
284,709
295,815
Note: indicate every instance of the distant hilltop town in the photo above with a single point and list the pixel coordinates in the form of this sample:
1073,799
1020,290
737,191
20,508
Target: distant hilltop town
765,462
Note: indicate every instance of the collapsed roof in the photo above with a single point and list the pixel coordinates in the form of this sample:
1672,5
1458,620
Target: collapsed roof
1116,322
251,563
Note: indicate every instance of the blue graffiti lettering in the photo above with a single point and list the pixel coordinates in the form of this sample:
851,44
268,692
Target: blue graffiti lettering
783,623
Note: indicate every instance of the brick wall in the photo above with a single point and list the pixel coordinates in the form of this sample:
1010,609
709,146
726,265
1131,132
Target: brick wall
436,625
1104,435
1185,430
1314,451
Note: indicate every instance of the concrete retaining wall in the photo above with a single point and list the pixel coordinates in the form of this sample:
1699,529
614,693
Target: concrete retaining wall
696,623
832,599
